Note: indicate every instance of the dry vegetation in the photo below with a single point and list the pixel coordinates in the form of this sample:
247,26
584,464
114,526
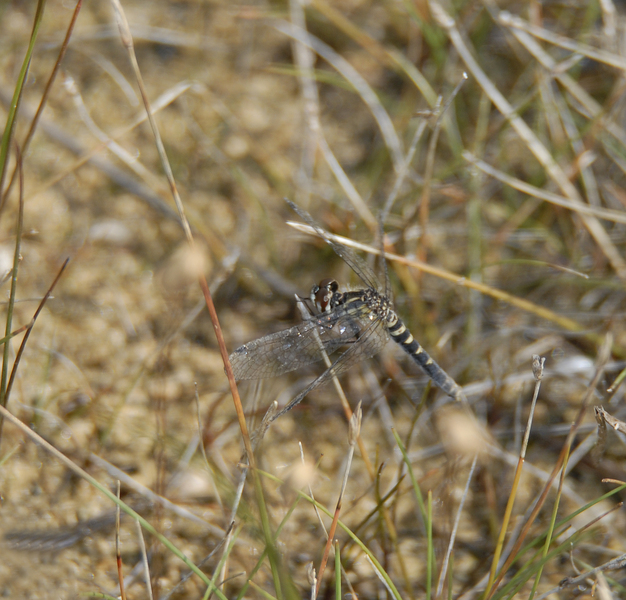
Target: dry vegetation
110,371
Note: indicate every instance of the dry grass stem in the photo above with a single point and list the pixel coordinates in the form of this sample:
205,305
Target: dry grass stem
144,560
118,552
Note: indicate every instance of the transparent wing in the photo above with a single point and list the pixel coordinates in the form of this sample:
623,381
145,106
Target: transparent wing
298,346
361,268
371,341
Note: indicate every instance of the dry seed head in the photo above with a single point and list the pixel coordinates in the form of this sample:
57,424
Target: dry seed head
311,574
354,429
538,363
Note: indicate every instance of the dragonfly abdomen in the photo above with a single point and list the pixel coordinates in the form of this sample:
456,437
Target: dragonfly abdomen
402,336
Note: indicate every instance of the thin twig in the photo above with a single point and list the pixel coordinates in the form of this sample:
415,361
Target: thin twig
30,326
608,58
118,551
526,188
144,559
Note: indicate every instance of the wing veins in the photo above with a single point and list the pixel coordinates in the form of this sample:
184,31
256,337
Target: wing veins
370,343
296,347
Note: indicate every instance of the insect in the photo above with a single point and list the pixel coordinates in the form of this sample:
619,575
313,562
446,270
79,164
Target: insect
361,321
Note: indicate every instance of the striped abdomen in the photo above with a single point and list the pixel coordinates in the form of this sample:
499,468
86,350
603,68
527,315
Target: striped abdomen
401,335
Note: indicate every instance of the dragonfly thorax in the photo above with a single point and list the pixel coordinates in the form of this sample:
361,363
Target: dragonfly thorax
368,301
379,306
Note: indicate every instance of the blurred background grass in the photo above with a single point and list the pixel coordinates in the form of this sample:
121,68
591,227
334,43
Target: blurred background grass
112,365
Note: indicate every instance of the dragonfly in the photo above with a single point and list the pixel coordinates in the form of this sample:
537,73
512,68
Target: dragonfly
360,321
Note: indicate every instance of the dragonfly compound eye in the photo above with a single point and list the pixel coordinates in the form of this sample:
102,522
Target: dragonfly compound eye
322,294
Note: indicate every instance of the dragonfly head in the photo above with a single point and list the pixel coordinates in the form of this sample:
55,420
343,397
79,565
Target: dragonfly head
322,294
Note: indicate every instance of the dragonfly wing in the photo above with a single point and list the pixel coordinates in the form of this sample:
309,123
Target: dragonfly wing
372,339
370,342
293,348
